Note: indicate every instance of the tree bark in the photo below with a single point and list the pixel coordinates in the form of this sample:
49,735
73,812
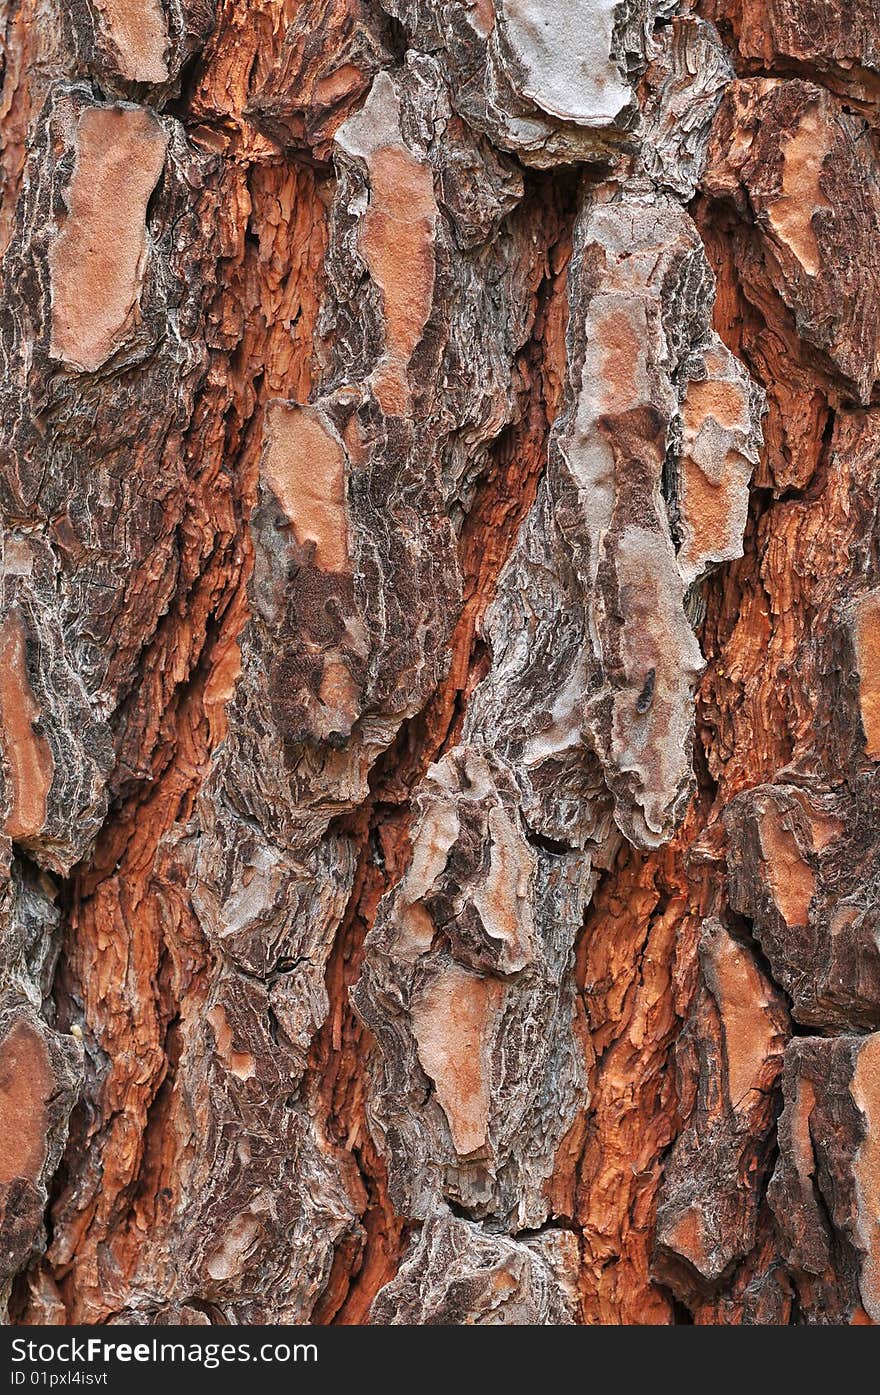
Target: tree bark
439,696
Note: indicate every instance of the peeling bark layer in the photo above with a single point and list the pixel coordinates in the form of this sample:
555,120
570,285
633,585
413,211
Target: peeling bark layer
439,714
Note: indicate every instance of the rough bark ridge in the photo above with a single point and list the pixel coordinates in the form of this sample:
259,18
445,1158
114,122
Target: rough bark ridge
439,700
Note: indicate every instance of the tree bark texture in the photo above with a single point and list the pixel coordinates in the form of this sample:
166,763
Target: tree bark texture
440,662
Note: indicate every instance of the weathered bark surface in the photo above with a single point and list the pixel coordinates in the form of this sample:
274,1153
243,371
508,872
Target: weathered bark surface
439,698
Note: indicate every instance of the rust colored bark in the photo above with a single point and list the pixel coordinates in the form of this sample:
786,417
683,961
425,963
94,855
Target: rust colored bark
439,700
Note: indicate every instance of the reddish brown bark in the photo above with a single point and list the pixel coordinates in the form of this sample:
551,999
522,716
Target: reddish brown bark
438,697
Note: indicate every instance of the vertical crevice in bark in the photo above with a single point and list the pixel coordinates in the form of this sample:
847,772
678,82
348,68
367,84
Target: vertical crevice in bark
503,497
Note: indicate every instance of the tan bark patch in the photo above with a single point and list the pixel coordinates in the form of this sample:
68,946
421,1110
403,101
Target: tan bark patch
620,329
688,1239
483,16
453,1020
503,899
865,1090
750,1036
436,834
867,635
791,879
397,239
791,216
97,259
27,1083
304,466
709,397
707,506
804,1103
140,37
240,1063
28,756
